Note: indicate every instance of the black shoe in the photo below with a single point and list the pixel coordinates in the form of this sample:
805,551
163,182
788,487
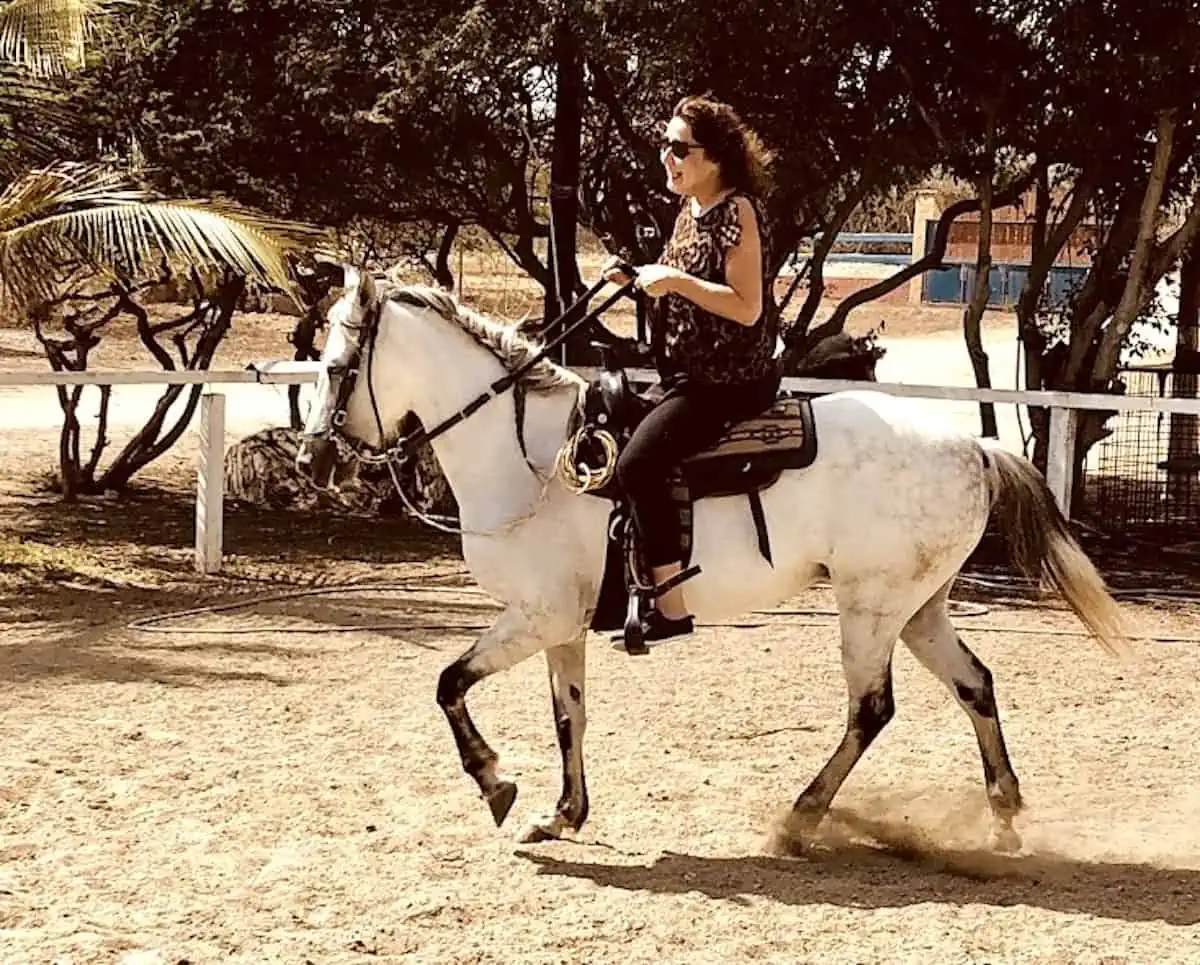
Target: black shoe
657,627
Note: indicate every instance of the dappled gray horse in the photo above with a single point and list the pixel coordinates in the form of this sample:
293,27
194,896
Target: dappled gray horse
888,511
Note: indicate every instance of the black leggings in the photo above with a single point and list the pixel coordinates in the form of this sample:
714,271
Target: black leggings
688,419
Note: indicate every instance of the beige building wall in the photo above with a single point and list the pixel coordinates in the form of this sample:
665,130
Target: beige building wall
926,209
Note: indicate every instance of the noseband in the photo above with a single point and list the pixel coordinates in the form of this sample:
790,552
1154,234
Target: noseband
343,378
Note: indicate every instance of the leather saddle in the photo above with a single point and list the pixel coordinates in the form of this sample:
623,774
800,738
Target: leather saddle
749,457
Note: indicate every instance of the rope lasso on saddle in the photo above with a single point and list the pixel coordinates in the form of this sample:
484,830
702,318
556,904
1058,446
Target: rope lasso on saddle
578,475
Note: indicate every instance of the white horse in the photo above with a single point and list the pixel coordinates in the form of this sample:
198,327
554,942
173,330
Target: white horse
888,512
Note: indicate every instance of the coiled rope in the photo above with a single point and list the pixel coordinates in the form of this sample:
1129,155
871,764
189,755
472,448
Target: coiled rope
579,476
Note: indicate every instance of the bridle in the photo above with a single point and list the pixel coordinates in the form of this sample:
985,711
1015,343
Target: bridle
343,378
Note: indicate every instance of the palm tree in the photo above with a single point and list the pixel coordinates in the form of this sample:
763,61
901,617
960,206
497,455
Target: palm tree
68,213
60,219
48,37
56,212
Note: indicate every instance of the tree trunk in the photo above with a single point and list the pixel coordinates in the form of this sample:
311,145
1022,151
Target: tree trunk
1048,243
68,446
151,441
442,273
304,339
1183,447
1133,298
973,314
564,174
1029,332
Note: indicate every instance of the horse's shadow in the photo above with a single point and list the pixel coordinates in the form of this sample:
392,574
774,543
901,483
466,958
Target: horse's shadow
862,876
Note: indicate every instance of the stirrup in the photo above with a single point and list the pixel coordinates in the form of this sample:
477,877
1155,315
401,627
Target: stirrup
641,606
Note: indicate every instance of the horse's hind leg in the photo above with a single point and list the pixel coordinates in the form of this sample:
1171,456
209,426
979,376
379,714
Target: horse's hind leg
868,639
566,665
511,639
933,640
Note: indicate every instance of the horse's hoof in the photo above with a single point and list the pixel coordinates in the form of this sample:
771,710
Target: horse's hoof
544,829
501,799
795,834
1005,840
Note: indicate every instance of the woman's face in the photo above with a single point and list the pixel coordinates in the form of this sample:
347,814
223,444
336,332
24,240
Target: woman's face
694,172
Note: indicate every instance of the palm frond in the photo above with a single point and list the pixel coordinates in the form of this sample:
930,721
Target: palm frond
73,213
49,36
36,125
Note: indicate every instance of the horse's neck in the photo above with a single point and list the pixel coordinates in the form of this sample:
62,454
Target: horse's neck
481,456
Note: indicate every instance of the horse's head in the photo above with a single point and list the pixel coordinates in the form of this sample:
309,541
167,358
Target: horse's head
343,405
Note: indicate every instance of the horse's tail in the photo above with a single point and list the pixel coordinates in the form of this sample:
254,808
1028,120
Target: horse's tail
1044,549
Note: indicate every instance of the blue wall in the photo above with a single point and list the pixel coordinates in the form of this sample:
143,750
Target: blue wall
953,284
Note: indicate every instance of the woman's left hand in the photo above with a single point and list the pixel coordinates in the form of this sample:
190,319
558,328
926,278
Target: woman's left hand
656,280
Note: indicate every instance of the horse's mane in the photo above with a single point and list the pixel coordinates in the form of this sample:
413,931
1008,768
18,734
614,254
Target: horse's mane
504,341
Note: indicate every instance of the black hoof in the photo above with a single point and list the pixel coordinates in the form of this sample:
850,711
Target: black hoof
501,801
538,835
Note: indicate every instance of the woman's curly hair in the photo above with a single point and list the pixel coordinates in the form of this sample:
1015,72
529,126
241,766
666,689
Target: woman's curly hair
729,142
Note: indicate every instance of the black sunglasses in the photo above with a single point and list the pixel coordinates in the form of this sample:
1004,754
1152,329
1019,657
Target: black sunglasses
679,148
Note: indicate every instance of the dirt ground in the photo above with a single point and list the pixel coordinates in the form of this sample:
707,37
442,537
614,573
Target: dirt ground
272,782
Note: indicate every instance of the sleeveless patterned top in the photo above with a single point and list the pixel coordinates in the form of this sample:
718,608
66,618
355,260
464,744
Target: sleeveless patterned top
696,345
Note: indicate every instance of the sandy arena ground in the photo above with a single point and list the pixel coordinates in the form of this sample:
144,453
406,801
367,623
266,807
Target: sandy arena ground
275,784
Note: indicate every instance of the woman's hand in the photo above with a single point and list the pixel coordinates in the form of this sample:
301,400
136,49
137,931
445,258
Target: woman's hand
612,272
657,280
654,280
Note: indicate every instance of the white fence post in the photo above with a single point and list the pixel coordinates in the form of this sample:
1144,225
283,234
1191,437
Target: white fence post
1060,456
210,492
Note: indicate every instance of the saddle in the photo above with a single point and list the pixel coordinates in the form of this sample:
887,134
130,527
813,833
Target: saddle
748,458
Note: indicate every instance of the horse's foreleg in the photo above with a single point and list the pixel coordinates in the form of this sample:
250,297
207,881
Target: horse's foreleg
867,644
567,670
506,643
933,640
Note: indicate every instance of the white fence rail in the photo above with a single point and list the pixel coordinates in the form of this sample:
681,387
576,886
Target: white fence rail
210,462
210,492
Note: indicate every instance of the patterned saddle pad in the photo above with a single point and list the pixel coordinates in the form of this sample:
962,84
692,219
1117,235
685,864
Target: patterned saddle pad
756,449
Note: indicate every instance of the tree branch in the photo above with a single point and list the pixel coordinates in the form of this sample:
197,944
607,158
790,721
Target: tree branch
606,93
1134,295
932,259
816,281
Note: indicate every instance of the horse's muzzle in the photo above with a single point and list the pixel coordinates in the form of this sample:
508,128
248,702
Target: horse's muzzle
317,460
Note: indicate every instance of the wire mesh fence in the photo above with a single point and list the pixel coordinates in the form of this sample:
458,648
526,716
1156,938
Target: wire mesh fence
1147,475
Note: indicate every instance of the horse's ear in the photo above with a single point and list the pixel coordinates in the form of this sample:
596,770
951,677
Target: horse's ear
331,273
366,290
529,328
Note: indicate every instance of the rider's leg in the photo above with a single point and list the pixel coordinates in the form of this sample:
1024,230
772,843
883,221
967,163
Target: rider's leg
688,419
684,422
670,604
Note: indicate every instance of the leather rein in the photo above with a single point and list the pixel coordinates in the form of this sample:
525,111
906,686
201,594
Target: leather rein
345,375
